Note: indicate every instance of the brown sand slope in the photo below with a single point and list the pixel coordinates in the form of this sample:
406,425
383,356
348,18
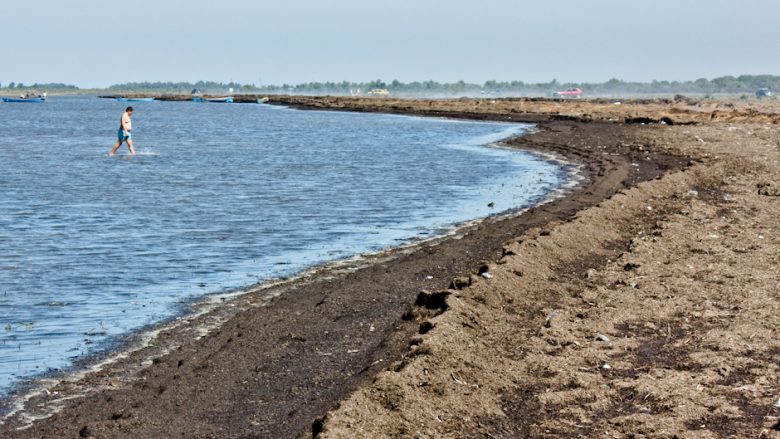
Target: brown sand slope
675,276
653,314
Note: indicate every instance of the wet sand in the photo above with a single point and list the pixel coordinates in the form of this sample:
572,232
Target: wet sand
643,303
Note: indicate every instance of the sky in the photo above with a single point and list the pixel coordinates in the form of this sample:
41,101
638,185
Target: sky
96,43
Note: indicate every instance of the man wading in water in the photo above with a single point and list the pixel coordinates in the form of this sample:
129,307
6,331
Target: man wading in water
123,135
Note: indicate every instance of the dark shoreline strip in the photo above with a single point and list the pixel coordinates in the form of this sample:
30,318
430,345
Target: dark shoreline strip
271,371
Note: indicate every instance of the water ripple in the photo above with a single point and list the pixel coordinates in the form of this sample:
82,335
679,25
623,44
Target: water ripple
220,196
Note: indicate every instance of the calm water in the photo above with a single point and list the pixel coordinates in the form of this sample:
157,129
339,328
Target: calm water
221,196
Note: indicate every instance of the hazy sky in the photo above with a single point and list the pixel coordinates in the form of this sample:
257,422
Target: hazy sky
98,42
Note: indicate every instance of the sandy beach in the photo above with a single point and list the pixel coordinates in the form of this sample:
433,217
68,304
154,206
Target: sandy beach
642,304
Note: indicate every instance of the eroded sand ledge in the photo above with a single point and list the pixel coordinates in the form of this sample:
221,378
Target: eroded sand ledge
644,303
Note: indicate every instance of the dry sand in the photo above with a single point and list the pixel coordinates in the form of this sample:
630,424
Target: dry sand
643,305
653,314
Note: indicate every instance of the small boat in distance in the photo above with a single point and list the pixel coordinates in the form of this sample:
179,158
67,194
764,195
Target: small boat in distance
223,100
135,99
30,96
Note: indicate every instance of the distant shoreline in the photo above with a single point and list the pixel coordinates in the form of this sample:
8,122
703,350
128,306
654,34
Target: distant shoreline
744,85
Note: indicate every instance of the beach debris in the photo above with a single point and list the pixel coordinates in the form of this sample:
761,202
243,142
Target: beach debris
120,415
602,337
429,277
606,367
457,379
630,266
765,188
421,350
549,318
353,351
491,204
633,284
296,337
425,327
371,328
693,193
484,271
460,283
777,404
433,301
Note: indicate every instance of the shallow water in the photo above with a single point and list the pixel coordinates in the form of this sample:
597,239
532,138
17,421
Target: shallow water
219,197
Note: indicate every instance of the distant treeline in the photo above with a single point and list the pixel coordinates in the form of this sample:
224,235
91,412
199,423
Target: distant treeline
179,87
47,86
724,84
743,84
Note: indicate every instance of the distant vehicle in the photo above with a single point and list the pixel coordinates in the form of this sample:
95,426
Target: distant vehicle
763,92
378,92
569,93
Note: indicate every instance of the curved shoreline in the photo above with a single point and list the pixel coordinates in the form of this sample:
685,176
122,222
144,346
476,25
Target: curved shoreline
383,326
125,345
212,306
